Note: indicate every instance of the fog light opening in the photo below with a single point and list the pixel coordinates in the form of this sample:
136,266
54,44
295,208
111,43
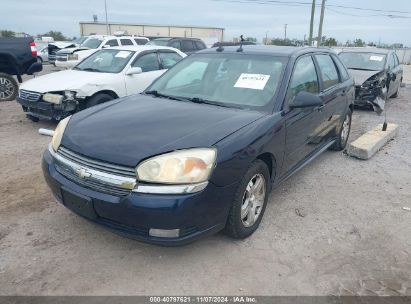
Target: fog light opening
164,233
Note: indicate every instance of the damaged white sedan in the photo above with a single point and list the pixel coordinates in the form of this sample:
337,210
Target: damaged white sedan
105,75
374,70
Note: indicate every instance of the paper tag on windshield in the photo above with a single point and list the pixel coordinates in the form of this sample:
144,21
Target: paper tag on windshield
252,81
376,58
122,54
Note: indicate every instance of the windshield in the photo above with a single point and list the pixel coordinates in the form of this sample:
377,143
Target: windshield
80,40
105,61
158,42
232,80
363,61
92,43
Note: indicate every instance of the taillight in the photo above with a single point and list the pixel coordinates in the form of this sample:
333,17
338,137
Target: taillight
33,49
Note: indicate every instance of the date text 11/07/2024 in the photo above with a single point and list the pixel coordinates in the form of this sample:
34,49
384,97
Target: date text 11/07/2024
200,299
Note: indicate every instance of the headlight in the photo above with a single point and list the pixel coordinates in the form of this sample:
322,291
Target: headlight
53,98
72,57
179,167
58,133
69,95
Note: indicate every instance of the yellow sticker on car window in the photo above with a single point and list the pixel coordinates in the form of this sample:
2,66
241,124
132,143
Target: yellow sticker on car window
252,81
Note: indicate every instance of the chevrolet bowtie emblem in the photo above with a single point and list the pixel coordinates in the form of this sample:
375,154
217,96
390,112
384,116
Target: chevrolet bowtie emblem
83,173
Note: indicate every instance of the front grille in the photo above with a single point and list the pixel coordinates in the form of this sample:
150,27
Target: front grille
89,163
29,95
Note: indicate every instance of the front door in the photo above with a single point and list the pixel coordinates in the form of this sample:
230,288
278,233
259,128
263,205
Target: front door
302,123
150,65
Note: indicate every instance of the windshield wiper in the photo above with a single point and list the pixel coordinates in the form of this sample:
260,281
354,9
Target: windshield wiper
155,93
90,70
360,69
205,101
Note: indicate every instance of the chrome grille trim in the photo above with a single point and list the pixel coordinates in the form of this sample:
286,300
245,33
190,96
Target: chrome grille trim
99,180
97,165
29,95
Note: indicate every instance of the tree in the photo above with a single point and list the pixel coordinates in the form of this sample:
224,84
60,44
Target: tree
359,43
57,36
331,42
7,33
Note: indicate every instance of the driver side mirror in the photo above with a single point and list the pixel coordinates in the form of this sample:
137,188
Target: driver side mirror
134,70
306,100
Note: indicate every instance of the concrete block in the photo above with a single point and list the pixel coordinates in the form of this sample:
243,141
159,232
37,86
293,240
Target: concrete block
371,142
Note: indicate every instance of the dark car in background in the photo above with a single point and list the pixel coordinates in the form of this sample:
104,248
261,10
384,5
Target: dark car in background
372,69
229,43
18,56
186,45
199,150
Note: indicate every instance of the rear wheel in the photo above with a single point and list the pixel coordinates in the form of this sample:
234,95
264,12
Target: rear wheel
342,140
249,202
8,87
98,99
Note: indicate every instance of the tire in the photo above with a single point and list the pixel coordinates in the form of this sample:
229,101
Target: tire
345,129
239,223
8,87
32,118
98,99
39,60
396,93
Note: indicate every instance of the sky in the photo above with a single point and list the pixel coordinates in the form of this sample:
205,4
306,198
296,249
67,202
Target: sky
236,16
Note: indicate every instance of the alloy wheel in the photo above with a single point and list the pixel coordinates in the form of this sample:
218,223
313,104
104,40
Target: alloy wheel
253,200
6,88
345,129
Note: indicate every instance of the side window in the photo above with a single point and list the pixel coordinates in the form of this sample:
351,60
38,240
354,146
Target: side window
328,71
176,44
188,46
199,45
343,71
126,42
304,78
112,42
147,62
397,62
168,59
140,41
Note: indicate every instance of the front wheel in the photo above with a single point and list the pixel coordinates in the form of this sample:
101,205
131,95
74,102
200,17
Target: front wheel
98,99
8,87
249,202
345,129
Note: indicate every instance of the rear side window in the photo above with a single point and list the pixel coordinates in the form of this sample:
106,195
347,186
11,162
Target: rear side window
343,71
188,46
176,44
328,71
112,42
168,59
304,78
199,45
140,41
397,62
148,62
126,42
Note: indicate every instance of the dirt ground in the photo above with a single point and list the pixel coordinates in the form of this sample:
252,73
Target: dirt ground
353,237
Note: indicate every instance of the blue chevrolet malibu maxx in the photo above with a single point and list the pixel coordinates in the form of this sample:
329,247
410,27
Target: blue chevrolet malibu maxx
201,148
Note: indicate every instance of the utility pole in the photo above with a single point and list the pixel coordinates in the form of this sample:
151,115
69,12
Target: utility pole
320,30
310,37
105,8
285,32
266,37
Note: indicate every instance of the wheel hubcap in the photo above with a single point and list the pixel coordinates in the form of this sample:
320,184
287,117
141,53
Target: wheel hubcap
345,129
6,88
253,200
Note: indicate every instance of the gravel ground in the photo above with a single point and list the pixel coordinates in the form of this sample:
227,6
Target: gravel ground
352,235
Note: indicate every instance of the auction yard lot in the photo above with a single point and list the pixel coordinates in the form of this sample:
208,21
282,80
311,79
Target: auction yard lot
338,227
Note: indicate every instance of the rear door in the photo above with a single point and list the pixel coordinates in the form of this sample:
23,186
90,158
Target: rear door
334,94
150,65
187,46
396,69
301,124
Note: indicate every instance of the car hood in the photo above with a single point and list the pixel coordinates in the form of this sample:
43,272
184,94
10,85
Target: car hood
128,130
361,76
63,80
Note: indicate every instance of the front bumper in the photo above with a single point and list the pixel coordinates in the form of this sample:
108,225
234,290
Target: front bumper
196,214
66,64
43,110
